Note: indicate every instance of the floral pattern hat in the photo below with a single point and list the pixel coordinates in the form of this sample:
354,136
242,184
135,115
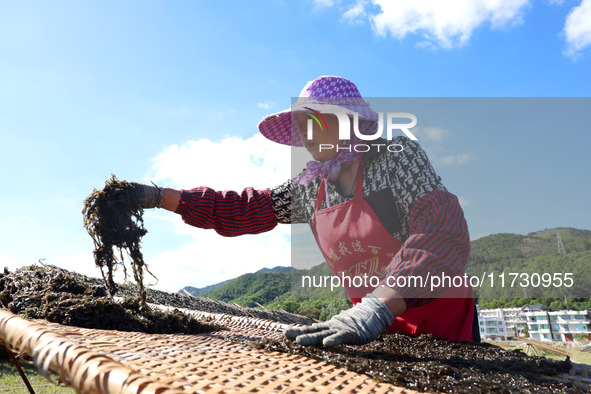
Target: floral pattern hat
324,94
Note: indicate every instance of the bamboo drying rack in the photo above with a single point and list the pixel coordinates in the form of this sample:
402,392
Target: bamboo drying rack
104,361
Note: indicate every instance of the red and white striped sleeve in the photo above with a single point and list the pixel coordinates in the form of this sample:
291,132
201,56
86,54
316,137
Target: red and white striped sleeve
227,212
438,243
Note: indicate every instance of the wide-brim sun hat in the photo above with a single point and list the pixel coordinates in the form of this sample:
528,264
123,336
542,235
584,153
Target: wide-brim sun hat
325,94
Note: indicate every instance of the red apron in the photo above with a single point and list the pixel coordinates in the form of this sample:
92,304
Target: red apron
358,248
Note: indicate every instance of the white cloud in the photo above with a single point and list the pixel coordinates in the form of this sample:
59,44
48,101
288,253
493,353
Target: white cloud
304,250
456,159
306,257
433,140
231,164
210,258
8,223
264,105
300,229
577,29
323,3
430,133
442,23
8,262
463,202
357,13
83,264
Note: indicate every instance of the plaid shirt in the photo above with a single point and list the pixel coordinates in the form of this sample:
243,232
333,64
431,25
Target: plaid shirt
402,188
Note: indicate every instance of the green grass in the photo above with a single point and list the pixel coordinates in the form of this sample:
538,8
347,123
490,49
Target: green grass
11,382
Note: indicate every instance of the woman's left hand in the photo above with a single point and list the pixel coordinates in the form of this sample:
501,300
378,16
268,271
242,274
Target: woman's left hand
361,324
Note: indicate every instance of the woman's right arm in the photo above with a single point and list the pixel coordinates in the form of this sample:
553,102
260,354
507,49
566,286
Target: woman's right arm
227,212
171,199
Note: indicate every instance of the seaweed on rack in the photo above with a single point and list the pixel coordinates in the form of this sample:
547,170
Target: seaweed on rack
56,295
113,219
427,363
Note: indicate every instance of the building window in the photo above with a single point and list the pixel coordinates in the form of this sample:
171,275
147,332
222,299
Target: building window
555,327
580,327
545,336
553,317
541,318
543,326
578,317
534,327
482,329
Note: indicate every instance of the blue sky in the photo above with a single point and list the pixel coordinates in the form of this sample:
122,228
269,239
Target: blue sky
171,91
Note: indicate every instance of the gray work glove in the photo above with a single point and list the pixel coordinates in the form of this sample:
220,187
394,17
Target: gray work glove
361,324
148,196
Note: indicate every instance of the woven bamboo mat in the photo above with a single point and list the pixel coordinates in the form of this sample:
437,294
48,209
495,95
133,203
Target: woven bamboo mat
102,361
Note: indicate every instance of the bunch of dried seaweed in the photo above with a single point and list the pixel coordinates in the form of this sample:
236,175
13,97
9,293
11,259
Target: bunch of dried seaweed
56,295
113,218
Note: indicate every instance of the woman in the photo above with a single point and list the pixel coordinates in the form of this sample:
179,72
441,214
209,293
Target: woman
383,213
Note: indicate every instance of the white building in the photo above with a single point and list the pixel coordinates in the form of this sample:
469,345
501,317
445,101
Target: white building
503,323
492,324
551,326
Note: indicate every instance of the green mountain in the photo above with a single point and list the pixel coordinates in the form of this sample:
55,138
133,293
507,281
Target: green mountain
497,249
533,268
196,291
279,268
536,255
249,289
283,290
